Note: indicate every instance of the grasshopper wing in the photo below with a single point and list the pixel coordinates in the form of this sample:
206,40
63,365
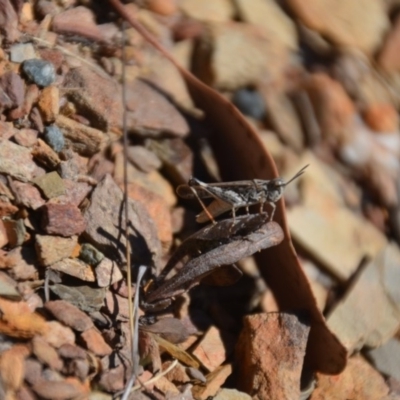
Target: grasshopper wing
217,207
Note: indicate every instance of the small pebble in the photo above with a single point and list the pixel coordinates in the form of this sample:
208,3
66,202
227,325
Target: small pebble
54,137
90,255
39,71
21,52
250,103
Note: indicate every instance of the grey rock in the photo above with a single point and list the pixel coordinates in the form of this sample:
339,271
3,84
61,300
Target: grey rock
54,137
84,297
39,71
90,254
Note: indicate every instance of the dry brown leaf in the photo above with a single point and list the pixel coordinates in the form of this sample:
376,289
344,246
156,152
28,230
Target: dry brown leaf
235,139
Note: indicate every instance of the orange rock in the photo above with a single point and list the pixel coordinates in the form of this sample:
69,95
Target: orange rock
382,118
95,342
358,381
12,368
49,103
163,7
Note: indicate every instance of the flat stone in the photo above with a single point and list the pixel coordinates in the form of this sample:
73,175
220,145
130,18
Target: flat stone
325,227
51,184
208,10
75,193
69,315
231,394
10,22
8,287
152,181
84,297
27,195
39,71
75,267
22,51
261,57
60,390
76,19
48,104
158,210
107,273
358,381
278,25
46,353
62,219
26,137
57,334
14,87
159,118
16,231
95,342
51,249
16,161
369,314
98,97
104,217
270,355
7,209
215,380
143,159
212,351
385,358
348,24
176,156
72,351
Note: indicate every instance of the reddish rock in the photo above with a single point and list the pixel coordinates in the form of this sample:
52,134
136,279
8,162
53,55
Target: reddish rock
113,380
382,118
26,137
76,268
333,106
58,334
161,117
69,315
158,210
46,353
358,381
163,7
16,161
212,350
62,219
58,390
72,351
7,209
45,155
75,193
27,195
13,86
95,342
107,273
51,249
96,93
77,20
270,355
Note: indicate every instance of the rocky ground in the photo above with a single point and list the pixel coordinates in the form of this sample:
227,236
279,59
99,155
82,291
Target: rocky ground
317,84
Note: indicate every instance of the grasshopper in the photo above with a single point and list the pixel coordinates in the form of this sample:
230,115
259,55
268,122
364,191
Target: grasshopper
233,195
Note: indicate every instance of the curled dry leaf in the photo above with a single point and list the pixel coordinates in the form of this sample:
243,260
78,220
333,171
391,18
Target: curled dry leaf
235,139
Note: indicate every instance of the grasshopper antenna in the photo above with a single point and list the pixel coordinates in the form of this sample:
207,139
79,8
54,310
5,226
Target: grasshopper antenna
301,172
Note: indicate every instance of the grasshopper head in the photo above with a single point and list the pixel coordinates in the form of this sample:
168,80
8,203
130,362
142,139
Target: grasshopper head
274,189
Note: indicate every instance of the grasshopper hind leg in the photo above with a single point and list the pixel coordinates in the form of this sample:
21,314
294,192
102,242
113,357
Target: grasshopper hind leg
211,218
